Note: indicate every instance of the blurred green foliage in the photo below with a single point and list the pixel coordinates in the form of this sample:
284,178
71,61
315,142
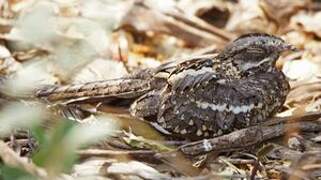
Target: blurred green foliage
10,173
54,155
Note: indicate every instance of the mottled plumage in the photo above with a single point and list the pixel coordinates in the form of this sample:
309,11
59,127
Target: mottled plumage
202,96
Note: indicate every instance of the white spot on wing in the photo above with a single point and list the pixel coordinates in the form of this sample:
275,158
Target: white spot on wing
214,107
183,131
204,127
223,107
176,129
161,120
199,132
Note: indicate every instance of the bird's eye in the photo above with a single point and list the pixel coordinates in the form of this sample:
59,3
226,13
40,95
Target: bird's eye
254,54
253,50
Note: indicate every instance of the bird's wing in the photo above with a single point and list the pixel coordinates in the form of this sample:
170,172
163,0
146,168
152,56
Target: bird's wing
175,65
203,103
185,105
192,73
191,78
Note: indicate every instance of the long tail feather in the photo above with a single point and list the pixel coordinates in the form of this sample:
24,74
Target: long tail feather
119,88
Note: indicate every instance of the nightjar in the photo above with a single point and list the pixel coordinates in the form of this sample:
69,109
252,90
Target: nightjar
199,97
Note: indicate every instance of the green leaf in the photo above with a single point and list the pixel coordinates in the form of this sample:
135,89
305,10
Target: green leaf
10,173
53,154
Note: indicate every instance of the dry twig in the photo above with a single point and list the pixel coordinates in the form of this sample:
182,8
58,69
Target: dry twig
253,135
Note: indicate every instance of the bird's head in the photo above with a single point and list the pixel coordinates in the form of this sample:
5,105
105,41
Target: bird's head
255,51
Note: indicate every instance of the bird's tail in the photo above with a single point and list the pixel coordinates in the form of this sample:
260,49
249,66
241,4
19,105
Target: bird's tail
125,88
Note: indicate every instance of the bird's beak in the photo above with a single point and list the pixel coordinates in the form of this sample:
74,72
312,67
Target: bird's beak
290,47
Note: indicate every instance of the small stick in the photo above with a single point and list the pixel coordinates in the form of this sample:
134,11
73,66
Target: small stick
253,135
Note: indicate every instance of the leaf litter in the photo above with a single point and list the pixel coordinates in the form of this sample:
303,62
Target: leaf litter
58,42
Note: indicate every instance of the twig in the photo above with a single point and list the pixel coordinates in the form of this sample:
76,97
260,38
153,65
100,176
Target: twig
141,155
253,135
240,161
195,32
217,176
194,21
100,152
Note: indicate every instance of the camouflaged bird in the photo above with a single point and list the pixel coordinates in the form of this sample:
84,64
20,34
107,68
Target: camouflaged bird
200,97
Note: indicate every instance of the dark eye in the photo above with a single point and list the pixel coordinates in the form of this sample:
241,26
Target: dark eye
254,54
255,50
